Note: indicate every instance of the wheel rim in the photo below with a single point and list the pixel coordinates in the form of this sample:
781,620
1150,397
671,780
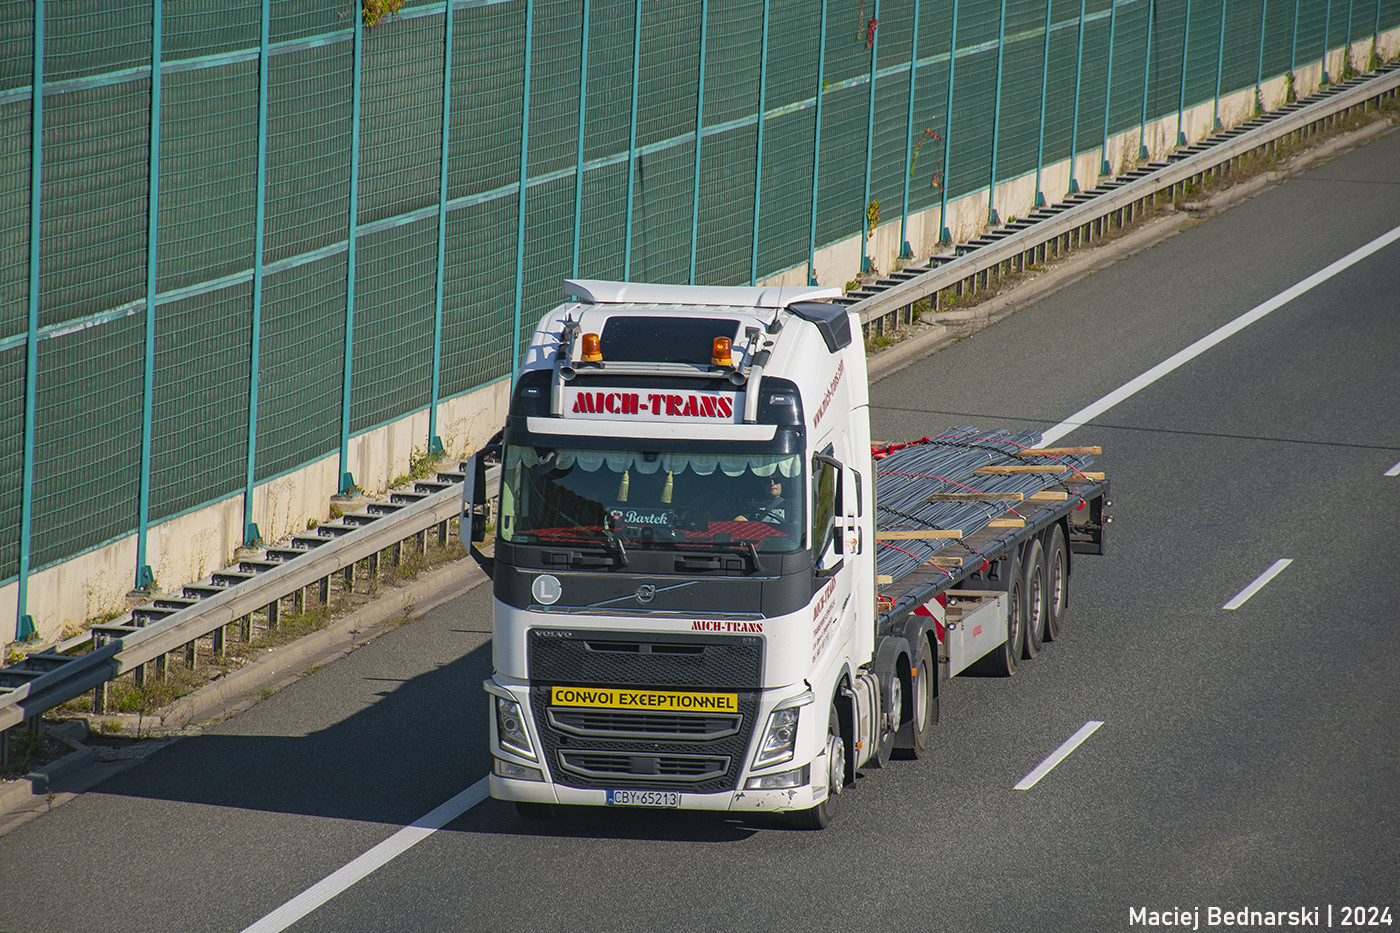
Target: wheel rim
1035,612
921,689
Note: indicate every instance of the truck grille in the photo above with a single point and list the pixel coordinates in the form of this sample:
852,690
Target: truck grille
597,748
652,660
612,767
624,724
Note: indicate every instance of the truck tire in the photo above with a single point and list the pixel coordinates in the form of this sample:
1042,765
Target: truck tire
1001,661
820,816
1056,583
913,738
1033,587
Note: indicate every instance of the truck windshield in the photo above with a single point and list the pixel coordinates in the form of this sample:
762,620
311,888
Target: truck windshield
668,500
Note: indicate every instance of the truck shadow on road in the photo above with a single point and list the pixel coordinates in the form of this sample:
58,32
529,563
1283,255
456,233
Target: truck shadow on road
411,744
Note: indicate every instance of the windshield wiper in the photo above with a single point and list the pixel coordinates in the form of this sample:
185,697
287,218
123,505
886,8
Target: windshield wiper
616,546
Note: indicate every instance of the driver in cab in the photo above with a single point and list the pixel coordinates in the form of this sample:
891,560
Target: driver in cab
769,506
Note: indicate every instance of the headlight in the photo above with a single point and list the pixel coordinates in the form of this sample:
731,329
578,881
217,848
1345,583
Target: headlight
779,738
510,728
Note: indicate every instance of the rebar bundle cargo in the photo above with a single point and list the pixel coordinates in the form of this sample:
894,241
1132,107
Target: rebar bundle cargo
932,493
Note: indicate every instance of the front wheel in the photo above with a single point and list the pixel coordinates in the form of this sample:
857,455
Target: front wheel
820,816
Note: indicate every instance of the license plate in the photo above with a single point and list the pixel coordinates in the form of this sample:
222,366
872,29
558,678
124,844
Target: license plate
644,798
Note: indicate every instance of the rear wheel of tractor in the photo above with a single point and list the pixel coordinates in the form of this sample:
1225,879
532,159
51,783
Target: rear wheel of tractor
820,816
1056,583
914,735
1033,587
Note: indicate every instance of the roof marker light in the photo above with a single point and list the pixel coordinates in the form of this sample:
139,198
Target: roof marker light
720,352
592,352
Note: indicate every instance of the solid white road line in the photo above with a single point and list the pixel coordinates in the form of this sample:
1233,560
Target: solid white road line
1132,387
391,848
1258,584
1393,471
338,881
1059,754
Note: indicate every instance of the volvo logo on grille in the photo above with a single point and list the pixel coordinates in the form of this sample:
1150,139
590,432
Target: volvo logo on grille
646,593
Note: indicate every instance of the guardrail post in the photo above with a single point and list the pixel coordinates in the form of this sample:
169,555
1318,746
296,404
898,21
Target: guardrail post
323,591
348,574
220,641
5,733
299,600
192,653
272,613
162,667
442,533
99,698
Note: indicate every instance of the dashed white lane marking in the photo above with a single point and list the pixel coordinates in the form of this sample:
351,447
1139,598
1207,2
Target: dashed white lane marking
1059,754
1393,471
1274,570
388,850
1133,386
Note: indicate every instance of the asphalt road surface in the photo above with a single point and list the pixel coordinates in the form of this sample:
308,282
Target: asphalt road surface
1248,757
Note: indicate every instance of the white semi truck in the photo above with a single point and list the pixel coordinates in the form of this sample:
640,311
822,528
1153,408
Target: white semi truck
711,592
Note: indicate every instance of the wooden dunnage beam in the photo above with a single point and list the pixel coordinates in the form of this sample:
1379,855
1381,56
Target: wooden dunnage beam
1061,452
917,534
1024,468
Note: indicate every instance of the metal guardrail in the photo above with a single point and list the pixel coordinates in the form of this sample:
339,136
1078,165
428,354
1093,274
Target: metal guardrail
49,678
228,597
1089,215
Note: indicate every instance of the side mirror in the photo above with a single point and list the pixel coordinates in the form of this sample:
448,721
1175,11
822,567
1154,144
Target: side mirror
476,502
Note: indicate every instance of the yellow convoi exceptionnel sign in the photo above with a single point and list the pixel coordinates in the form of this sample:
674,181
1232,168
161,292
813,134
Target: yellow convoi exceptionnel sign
616,698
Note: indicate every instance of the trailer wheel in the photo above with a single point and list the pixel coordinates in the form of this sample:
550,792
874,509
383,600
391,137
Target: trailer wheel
820,816
913,738
1056,583
1001,661
1034,590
